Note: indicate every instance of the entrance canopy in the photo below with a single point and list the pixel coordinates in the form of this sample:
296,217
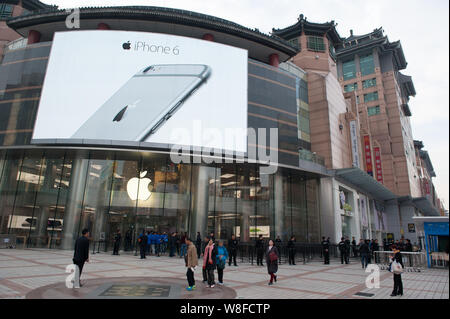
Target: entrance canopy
365,183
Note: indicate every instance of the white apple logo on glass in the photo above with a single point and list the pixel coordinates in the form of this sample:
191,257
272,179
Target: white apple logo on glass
137,188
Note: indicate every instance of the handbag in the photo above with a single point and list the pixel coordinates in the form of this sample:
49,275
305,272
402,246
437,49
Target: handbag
272,256
396,268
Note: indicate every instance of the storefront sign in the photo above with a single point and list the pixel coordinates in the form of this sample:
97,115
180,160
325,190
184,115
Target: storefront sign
377,153
368,155
354,141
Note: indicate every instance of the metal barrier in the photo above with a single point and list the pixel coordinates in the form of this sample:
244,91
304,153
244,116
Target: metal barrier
413,261
97,244
439,259
7,241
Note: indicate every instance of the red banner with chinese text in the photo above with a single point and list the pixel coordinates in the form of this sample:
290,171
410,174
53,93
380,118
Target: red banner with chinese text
368,155
377,153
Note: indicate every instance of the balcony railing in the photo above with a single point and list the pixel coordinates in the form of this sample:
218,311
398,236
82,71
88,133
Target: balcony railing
311,157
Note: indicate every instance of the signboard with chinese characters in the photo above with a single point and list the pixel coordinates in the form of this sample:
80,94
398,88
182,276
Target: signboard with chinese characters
354,141
368,155
378,168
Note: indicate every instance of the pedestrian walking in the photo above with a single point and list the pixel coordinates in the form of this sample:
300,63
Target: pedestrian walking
233,245
221,260
259,246
81,255
143,241
364,252
191,261
397,269
291,250
326,251
272,257
117,241
150,241
209,262
198,244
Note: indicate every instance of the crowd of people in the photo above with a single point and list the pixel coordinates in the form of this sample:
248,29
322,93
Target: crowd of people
215,254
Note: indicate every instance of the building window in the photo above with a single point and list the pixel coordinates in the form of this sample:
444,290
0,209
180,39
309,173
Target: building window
5,11
374,110
369,83
373,96
349,70
366,64
294,42
351,87
316,44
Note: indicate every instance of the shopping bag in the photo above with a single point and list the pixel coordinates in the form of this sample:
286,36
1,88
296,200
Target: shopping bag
396,268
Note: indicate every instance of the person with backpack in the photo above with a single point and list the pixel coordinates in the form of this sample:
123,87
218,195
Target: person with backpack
209,262
221,260
343,250
272,257
397,269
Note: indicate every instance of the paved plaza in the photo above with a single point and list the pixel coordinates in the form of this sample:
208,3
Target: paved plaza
22,272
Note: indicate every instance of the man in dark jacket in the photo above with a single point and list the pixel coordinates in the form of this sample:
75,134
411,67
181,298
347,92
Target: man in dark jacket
291,250
233,244
117,241
143,239
259,250
375,248
364,252
326,251
354,250
81,253
128,238
279,245
343,250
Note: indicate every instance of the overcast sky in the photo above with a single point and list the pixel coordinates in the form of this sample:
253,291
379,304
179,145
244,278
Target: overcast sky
422,26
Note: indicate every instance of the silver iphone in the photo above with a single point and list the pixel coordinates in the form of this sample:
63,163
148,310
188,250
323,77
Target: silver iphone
144,102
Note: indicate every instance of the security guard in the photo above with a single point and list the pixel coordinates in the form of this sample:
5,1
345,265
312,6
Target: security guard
343,250
259,250
233,244
326,251
117,241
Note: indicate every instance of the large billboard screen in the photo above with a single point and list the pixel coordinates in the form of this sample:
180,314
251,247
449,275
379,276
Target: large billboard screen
119,87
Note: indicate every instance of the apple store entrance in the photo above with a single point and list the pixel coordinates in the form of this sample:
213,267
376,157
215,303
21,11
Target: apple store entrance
49,195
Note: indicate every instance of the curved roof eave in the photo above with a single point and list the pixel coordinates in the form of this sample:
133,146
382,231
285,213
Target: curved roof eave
155,14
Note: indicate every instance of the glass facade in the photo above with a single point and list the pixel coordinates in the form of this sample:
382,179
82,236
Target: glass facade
349,70
374,110
316,44
350,87
48,196
373,96
366,64
369,83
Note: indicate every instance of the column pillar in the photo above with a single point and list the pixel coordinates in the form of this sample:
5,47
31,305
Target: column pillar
208,37
33,37
274,60
200,199
74,202
279,205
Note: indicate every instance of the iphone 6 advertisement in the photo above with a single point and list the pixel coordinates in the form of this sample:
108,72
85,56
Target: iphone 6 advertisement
117,86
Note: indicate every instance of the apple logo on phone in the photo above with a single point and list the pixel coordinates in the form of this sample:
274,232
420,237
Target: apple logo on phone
126,45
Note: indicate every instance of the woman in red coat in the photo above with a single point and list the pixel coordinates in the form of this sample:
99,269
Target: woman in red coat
272,261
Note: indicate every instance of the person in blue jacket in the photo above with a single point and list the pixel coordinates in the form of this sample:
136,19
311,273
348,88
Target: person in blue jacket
165,239
221,260
158,239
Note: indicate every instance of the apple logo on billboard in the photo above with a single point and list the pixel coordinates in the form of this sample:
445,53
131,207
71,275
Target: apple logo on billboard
137,188
126,45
